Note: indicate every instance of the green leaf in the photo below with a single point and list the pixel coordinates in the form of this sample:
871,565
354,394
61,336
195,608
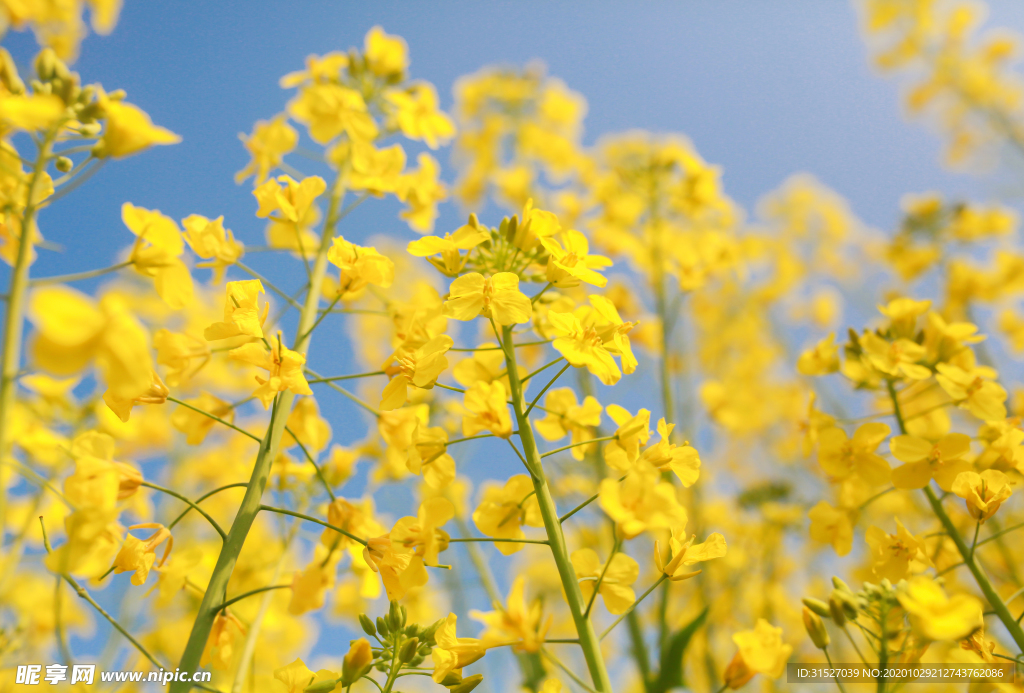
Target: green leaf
672,651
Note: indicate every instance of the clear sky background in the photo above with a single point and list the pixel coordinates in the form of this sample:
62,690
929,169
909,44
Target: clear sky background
764,89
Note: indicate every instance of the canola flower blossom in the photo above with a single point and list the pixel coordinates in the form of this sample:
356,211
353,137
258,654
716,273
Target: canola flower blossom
624,420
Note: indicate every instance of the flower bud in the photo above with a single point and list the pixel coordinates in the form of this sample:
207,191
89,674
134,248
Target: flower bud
430,631
356,662
840,585
835,609
394,617
321,686
737,673
9,74
367,625
382,626
817,606
815,629
129,479
452,678
468,684
847,601
513,226
63,164
46,64
679,577
408,650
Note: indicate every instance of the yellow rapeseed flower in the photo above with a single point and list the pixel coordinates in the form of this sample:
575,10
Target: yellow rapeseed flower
497,297
983,492
615,588
129,130
935,616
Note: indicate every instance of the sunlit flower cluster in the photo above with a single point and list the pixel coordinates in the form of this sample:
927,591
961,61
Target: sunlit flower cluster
626,412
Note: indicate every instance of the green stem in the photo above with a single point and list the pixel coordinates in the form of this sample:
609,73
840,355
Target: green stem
345,377
1000,533
203,497
1004,552
550,383
576,445
632,606
998,606
498,348
574,597
337,388
250,593
832,666
214,417
639,647
849,636
14,319
319,472
256,275
529,663
309,518
323,314
491,540
883,648
58,628
182,498
600,579
78,276
569,672
216,591
544,367
80,591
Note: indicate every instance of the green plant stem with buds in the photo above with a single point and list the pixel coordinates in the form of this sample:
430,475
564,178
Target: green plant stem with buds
966,552
217,589
17,294
553,527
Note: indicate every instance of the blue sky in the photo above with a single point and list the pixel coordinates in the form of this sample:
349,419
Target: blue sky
763,89
765,92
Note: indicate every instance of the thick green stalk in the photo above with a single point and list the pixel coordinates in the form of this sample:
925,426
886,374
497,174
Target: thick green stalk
216,591
997,603
14,318
556,540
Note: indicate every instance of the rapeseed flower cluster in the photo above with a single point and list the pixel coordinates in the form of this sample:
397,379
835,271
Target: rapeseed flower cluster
622,406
